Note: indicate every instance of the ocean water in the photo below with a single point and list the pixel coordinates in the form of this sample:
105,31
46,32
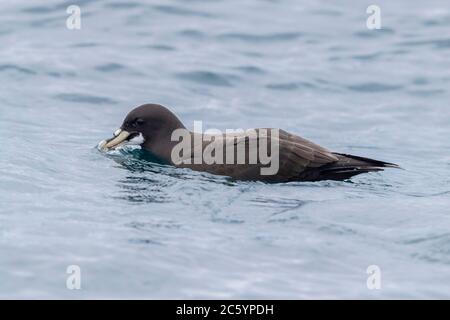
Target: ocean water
142,230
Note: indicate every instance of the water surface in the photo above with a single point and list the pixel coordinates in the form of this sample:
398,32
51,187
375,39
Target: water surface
143,230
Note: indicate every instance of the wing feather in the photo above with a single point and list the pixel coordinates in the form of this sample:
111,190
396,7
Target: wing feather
296,155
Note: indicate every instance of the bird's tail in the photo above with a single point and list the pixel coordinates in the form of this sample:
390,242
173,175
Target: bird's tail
349,165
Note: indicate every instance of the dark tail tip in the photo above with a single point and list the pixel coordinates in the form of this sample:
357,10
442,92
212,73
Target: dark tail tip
371,162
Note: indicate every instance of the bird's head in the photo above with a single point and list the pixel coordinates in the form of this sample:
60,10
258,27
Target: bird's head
149,125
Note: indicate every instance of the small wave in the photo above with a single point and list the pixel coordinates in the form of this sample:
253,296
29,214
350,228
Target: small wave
85,45
374,87
438,237
432,248
227,220
420,81
426,93
84,98
110,67
374,33
288,86
60,6
283,86
12,67
38,9
327,12
145,241
436,43
250,69
158,224
366,57
122,5
285,36
426,195
282,205
56,74
144,189
439,21
337,229
160,47
181,11
208,77
47,22
190,33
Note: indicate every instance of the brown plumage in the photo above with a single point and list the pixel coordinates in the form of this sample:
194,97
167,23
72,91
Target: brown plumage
299,159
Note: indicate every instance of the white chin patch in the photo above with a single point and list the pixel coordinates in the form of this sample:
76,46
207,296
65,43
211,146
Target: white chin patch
138,140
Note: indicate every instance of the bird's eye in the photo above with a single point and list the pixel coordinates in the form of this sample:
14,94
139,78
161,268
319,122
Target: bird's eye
139,121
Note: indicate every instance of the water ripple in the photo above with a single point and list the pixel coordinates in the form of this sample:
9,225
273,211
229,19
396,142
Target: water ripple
374,33
19,69
436,43
373,87
84,98
314,70
122,5
182,11
257,38
208,78
110,67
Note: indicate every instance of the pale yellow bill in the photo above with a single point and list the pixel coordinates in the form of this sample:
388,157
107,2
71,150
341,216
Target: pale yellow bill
120,137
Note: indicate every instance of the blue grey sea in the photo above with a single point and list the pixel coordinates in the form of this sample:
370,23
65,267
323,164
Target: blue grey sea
141,230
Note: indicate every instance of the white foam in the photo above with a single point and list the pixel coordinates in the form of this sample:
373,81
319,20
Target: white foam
101,144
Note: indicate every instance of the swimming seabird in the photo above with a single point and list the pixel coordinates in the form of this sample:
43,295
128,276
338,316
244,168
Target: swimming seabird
152,126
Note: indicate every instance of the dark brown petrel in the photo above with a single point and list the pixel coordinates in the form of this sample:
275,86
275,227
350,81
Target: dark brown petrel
296,159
